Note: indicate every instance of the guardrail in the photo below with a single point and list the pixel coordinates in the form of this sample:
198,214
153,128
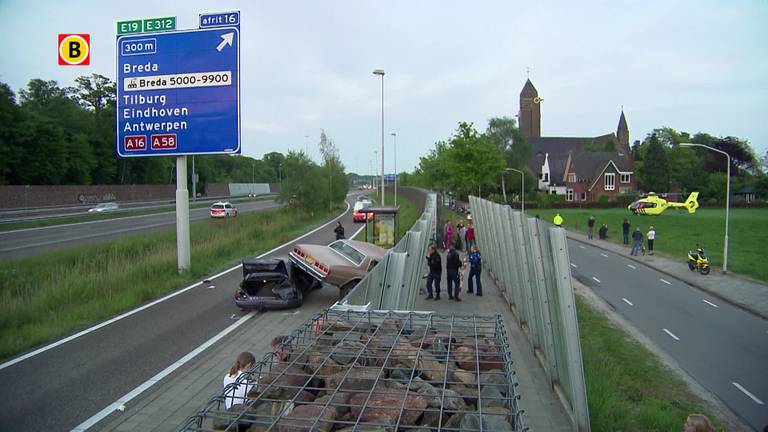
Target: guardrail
394,283
529,260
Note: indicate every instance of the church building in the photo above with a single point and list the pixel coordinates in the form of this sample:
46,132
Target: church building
581,168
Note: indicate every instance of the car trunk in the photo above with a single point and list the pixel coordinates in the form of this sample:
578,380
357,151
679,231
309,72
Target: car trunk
268,284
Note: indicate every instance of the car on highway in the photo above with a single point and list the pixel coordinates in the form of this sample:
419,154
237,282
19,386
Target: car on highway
342,263
104,207
270,283
223,209
358,211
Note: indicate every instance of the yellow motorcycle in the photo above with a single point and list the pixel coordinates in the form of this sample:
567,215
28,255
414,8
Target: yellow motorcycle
697,260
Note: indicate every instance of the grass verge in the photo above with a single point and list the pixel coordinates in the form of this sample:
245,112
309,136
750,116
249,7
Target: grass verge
90,217
406,216
53,294
678,232
628,388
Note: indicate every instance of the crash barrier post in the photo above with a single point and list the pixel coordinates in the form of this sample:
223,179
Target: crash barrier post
394,283
528,259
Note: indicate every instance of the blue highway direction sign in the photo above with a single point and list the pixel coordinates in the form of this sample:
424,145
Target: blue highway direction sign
178,93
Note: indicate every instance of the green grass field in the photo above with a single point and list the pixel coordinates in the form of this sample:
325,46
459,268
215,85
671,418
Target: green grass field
628,388
678,232
54,294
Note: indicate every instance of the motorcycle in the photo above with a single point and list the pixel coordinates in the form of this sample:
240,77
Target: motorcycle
697,260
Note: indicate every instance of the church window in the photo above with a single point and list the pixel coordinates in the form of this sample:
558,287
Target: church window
610,181
625,178
546,177
583,196
572,177
569,194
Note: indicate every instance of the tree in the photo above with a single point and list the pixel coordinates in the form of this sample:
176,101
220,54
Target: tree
654,172
504,133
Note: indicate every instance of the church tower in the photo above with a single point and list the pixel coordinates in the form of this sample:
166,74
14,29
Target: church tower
622,132
530,111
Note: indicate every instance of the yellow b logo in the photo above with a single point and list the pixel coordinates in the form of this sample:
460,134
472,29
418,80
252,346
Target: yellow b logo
74,49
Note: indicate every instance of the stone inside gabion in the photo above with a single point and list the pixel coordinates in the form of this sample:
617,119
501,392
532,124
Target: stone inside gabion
357,375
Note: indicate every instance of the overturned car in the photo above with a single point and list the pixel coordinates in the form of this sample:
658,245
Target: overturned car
271,283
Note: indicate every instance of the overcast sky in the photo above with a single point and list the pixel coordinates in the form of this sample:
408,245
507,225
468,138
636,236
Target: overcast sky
306,65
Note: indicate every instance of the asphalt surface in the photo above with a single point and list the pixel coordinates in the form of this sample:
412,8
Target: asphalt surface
60,388
31,241
723,347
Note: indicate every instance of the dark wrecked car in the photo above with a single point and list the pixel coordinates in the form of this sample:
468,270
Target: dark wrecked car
270,283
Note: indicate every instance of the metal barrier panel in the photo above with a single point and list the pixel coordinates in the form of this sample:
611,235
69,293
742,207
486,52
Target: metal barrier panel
529,260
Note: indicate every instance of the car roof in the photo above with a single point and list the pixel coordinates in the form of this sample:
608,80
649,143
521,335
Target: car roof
221,203
367,248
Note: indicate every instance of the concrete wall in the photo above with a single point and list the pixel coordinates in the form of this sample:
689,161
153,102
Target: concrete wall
41,196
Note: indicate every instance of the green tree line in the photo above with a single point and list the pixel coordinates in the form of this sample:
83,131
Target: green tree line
53,135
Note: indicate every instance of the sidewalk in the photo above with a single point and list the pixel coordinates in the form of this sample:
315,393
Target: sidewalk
739,291
543,411
166,406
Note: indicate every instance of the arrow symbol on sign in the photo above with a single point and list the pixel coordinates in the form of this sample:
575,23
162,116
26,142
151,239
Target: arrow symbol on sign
227,40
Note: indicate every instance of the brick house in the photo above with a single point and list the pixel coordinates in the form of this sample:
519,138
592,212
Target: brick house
581,168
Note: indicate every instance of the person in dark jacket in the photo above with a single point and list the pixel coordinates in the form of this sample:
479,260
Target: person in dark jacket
435,264
590,227
475,266
339,230
603,232
637,236
625,231
452,266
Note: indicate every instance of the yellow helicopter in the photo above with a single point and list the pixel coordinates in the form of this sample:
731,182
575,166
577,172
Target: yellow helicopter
652,205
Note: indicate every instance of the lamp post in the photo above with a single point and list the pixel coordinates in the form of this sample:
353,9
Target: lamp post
380,72
522,188
394,135
375,172
727,196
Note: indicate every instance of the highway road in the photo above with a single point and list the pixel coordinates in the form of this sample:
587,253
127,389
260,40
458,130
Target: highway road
30,241
723,347
69,383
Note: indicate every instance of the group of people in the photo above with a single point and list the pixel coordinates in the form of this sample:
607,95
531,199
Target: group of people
453,269
465,235
637,235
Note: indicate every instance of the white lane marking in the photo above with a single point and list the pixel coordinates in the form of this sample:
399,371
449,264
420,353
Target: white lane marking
582,247
671,334
631,266
746,392
710,303
604,255
596,279
666,282
627,301
573,265
155,379
160,300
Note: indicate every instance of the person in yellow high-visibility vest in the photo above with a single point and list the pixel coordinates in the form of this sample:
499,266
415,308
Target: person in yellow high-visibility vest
558,220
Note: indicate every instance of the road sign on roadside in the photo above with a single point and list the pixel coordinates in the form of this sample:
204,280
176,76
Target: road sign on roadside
127,27
221,19
178,93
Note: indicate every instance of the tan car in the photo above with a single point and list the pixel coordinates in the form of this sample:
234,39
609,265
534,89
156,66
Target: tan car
342,263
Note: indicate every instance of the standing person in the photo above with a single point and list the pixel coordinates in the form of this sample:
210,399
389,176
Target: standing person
461,233
603,232
470,236
435,264
339,230
590,226
452,265
475,267
625,231
558,220
448,230
651,237
637,236
235,395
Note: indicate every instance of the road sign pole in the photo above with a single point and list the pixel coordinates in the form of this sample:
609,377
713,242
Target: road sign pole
182,215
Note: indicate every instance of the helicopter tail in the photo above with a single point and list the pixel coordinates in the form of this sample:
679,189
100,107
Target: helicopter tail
691,203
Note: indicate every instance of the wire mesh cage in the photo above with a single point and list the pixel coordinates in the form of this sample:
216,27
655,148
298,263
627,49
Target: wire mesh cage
376,371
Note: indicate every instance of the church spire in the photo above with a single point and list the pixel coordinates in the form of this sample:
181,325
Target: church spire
530,110
622,132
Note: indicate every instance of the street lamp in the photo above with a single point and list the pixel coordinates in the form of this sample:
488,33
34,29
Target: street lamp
380,72
375,171
522,188
727,196
394,135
